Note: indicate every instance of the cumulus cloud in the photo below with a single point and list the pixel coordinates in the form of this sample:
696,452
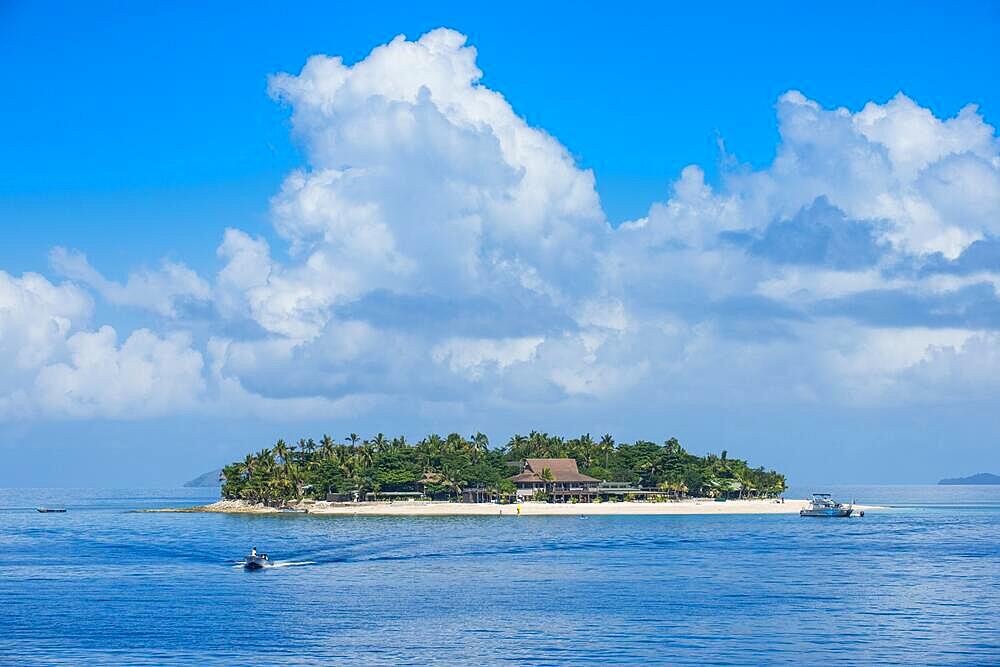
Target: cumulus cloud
914,139
966,369
435,247
470,356
980,257
887,162
144,376
436,240
165,291
818,235
53,366
35,318
423,181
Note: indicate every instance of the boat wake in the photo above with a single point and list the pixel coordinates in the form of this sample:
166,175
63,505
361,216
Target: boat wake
277,564
291,563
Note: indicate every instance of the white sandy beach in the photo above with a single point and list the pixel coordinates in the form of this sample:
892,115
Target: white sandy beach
415,508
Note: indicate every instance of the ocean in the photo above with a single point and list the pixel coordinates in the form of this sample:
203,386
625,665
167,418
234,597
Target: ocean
918,583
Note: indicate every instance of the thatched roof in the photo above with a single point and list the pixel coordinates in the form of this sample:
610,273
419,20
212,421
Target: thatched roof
526,477
563,470
430,477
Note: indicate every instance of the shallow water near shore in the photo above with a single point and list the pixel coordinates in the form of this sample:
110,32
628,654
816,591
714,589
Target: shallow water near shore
103,585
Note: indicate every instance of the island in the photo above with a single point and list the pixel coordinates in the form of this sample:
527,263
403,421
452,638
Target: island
537,466
980,478
206,480
536,473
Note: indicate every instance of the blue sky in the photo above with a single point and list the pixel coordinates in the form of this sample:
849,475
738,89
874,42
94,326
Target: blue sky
811,295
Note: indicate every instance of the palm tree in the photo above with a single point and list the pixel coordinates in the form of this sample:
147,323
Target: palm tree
506,488
248,465
480,443
366,453
293,480
477,446
744,477
424,454
607,446
326,446
455,443
265,459
450,478
354,437
297,451
587,449
434,447
549,479
517,447
281,451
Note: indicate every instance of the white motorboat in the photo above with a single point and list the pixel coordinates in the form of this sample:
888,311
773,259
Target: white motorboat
255,561
822,504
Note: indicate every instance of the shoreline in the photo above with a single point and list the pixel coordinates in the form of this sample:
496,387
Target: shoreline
698,506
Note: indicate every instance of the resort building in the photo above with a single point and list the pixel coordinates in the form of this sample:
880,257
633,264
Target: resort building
560,478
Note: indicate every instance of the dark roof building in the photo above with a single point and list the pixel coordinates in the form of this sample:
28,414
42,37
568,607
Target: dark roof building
566,479
563,470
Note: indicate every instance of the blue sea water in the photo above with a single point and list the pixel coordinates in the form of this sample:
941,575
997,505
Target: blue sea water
918,583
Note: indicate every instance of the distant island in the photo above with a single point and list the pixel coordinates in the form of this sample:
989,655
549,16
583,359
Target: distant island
533,467
981,478
211,478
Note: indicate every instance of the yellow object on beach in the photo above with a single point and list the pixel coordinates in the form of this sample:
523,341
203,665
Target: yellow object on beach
519,510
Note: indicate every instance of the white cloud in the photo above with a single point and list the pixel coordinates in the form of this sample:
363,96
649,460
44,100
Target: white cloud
915,138
293,302
422,180
160,291
35,318
144,376
875,164
592,364
962,370
50,365
807,284
871,363
436,249
229,394
603,313
468,357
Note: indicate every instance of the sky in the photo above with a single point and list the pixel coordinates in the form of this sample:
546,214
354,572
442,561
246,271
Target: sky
773,232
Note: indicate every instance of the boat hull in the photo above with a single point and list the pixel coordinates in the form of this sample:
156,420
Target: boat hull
254,563
828,512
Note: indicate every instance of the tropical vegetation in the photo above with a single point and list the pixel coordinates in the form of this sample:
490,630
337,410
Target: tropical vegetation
444,467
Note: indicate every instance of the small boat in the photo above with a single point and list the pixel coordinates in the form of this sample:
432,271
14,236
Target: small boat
822,504
255,561
50,510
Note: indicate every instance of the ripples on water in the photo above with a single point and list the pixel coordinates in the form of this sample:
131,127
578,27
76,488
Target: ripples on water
916,584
